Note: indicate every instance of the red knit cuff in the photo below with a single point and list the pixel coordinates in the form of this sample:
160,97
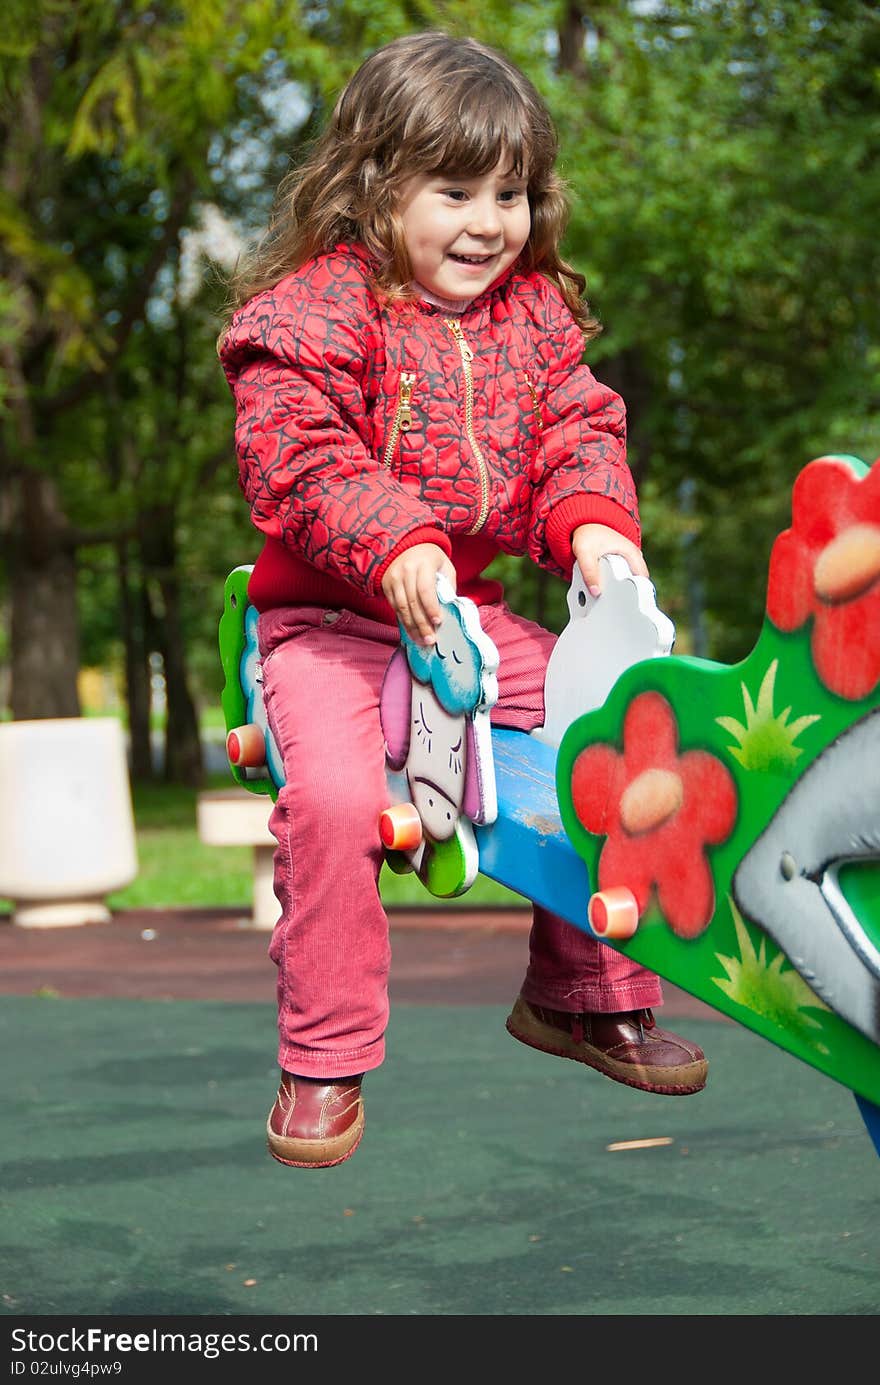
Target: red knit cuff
424,534
586,509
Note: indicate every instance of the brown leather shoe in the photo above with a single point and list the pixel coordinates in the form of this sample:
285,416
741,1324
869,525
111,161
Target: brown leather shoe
315,1123
628,1047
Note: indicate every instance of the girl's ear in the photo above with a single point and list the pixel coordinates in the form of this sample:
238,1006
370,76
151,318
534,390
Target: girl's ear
395,703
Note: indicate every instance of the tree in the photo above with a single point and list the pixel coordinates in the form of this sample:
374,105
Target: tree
721,157
724,162
721,160
120,124
106,135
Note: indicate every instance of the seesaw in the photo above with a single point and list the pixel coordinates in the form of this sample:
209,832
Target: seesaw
720,824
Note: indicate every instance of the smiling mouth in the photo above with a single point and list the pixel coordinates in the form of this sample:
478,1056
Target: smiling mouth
472,259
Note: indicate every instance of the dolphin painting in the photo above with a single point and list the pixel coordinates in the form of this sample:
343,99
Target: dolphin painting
788,881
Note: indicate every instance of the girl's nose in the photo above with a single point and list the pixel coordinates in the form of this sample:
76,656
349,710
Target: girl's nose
484,219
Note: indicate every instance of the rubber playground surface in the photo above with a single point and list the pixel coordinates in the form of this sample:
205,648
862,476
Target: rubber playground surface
491,1181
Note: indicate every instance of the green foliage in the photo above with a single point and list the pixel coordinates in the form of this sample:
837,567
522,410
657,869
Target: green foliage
719,158
718,155
175,868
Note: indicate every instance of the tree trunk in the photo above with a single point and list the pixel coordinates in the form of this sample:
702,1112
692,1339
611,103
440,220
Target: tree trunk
45,643
44,619
628,373
571,35
132,605
183,749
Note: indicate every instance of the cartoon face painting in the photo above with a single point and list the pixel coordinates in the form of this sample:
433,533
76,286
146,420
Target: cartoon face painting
436,762
434,709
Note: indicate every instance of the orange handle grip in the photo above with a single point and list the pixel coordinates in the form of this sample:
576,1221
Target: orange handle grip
246,746
613,913
400,827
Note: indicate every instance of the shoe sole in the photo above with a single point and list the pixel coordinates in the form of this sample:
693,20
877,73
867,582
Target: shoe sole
315,1154
681,1081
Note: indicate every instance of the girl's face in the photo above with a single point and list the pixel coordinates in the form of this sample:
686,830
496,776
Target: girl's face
462,233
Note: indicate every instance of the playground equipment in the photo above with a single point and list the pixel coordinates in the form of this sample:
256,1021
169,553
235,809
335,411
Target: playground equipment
720,824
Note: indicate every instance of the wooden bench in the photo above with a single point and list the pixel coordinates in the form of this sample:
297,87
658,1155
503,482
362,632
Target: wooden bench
234,817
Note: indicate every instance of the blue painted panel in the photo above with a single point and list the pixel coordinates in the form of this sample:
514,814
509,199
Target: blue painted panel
527,848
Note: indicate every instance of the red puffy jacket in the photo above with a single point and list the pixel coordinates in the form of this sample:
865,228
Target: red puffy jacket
363,427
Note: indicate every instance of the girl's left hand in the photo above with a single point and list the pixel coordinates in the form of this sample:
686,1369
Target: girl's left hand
410,587
590,541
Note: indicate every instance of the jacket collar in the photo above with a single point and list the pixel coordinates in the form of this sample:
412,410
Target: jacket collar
361,252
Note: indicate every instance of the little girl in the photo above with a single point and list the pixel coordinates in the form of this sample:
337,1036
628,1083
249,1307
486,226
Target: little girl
405,358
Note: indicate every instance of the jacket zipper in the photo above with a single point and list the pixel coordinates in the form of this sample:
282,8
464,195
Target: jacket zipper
536,410
467,356
402,414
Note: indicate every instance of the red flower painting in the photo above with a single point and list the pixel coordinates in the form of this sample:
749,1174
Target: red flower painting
827,566
658,811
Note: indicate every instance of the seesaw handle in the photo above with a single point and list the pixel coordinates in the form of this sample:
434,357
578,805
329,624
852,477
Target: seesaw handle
613,913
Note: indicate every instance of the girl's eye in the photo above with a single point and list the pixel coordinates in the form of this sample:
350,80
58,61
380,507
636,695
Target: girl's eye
457,194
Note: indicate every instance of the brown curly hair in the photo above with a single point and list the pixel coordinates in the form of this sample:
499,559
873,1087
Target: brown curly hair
425,103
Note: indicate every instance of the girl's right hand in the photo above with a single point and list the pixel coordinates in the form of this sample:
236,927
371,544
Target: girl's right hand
590,542
410,588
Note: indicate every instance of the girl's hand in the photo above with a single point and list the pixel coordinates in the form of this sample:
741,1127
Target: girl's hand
590,541
410,588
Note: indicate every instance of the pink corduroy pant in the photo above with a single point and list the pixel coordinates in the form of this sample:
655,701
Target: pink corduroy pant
322,678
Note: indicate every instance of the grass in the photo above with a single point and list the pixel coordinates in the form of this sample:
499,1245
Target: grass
177,870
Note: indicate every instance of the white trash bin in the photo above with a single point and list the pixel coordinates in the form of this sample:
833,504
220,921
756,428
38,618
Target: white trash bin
67,834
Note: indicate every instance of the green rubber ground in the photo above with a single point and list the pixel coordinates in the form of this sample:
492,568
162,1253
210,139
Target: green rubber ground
135,1178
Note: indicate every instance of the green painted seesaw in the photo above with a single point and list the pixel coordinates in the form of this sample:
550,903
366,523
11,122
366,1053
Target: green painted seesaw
720,824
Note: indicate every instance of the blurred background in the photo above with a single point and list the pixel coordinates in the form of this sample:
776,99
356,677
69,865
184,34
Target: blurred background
722,162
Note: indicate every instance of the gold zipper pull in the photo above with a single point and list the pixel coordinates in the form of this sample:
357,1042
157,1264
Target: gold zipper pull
407,380
536,410
402,414
455,328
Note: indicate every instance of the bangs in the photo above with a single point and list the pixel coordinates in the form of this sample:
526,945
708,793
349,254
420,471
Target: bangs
480,123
